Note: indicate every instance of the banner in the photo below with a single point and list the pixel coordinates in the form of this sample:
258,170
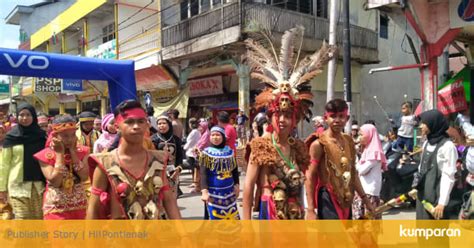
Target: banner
103,51
205,86
119,74
180,102
451,99
71,85
52,85
228,233
465,76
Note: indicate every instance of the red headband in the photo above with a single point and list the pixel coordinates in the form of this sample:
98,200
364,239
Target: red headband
135,113
345,112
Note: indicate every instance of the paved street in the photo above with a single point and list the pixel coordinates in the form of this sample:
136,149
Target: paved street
192,207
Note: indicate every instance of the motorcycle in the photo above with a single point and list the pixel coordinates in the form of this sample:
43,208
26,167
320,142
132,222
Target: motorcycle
398,179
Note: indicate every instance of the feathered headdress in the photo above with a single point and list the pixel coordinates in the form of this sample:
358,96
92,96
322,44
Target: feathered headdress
286,76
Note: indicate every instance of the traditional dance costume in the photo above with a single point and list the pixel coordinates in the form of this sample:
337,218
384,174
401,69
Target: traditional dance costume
334,187
137,197
288,93
69,201
286,179
219,174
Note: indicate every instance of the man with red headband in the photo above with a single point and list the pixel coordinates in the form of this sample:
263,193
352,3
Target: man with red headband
64,165
130,181
331,178
277,160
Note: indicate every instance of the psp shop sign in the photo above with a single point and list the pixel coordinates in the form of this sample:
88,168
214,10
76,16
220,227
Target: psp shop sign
48,85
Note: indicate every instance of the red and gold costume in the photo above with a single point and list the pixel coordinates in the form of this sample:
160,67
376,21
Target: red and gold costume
69,201
288,92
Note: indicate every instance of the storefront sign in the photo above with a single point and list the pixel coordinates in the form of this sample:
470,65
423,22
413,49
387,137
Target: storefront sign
205,86
164,95
104,51
71,85
461,13
451,98
52,85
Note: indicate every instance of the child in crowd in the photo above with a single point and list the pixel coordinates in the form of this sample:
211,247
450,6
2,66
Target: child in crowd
108,136
369,167
405,132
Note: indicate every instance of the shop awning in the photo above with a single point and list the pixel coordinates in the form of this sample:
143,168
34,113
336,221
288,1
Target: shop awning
155,77
64,20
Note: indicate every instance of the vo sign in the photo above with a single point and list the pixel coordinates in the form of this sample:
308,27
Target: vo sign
34,62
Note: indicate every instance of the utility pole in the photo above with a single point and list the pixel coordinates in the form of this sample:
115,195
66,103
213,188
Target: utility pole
346,43
332,65
10,94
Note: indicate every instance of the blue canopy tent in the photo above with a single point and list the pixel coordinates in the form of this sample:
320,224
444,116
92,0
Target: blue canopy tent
120,74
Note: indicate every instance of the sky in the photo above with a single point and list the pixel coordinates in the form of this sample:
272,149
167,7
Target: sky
9,34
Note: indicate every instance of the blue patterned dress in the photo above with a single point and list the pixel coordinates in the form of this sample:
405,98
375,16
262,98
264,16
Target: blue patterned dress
221,170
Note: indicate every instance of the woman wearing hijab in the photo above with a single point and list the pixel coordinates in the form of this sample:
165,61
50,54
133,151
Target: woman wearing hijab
370,167
437,167
219,178
20,173
165,140
109,133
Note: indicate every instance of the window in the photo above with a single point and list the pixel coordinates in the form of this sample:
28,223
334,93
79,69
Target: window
194,7
205,5
383,31
303,6
184,10
322,8
108,33
306,6
191,8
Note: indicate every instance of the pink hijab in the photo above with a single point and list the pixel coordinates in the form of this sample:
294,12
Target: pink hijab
205,135
373,150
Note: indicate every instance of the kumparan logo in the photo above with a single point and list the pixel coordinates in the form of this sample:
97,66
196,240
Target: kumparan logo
429,232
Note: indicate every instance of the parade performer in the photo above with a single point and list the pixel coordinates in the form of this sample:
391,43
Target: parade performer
64,165
219,178
332,177
277,160
109,133
130,181
86,134
165,140
20,173
435,180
